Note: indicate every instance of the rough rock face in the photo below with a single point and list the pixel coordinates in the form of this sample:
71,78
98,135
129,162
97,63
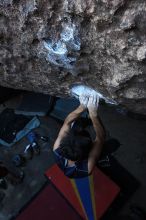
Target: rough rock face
46,45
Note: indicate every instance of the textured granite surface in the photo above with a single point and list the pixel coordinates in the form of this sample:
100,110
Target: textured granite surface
46,45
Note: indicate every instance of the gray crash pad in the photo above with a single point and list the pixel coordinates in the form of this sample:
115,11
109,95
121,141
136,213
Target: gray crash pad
34,104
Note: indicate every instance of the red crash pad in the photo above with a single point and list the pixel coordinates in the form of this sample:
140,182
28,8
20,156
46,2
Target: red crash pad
49,205
64,185
103,189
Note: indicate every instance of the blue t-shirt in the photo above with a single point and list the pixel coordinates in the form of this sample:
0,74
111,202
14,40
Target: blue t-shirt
78,170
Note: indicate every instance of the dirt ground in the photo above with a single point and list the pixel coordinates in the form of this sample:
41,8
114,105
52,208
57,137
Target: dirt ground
132,153
130,132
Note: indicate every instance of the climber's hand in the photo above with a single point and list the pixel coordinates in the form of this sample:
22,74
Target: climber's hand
93,103
84,101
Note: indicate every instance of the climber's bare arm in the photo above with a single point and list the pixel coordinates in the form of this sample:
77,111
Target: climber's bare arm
67,125
99,139
97,144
